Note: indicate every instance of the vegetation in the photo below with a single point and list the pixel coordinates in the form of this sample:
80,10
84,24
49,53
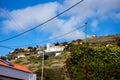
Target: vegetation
57,43
91,61
100,63
52,66
50,74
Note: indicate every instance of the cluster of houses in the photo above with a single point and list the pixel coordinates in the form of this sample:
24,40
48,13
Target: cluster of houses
12,71
49,50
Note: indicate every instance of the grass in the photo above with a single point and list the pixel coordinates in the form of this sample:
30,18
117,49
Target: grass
52,66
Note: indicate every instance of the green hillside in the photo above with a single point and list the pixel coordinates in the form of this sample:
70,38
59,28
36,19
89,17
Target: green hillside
99,59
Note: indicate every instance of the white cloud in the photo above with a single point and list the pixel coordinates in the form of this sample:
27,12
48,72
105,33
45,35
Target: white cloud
94,25
64,27
31,16
92,9
88,9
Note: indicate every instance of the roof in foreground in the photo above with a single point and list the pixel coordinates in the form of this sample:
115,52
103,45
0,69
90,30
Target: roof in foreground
16,66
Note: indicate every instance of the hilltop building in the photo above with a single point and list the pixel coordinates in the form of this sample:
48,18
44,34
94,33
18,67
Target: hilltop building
54,49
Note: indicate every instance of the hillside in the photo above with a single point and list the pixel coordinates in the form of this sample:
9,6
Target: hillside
109,39
92,41
53,65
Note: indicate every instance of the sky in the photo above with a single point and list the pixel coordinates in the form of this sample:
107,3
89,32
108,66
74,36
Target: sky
17,16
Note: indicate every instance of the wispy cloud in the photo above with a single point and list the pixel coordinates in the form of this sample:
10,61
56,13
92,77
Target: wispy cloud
31,16
89,9
94,25
93,9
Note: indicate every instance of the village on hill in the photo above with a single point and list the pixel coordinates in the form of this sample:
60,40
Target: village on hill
57,56
57,48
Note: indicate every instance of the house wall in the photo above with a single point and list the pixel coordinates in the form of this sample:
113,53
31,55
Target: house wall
48,46
5,71
57,49
54,49
20,56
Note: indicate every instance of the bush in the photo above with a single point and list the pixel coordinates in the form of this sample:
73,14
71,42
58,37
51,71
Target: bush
49,74
100,63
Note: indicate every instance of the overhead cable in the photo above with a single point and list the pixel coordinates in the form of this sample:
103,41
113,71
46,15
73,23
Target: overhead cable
57,37
10,17
41,23
6,47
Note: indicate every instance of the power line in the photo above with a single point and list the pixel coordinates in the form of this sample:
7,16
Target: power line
41,23
6,47
57,37
64,34
42,72
10,18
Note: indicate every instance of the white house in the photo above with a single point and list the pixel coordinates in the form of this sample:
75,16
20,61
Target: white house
21,56
12,71
54,48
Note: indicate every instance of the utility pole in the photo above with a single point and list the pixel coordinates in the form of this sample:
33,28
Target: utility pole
86,33
42,71
85,45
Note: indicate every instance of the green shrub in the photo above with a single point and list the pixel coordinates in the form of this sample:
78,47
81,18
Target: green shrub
100,63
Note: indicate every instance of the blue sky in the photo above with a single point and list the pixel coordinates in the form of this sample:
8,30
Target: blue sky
16,16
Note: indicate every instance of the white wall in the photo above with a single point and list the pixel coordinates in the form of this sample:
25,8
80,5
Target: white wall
20,56
57,49
48,46
54,49
16,73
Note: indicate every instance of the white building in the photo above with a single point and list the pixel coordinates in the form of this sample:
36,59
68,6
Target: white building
21,56
54,48
12,71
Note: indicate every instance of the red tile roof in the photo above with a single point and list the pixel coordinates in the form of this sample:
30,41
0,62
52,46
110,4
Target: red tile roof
56,46
16,66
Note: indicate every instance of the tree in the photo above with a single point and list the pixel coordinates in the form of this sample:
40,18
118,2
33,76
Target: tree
64,43
57,43
118,42
100,63
30,47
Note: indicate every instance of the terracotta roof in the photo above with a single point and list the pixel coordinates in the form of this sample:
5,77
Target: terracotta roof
16,66
56,46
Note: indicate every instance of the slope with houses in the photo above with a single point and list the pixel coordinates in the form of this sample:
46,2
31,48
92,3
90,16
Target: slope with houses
36,51
32,55
57,49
